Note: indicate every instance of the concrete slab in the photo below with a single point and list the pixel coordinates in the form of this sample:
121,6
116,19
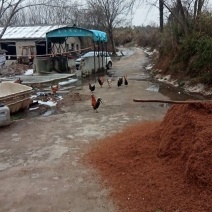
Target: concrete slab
39,79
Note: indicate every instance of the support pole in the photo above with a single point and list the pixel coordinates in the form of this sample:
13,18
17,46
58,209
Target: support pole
94,61
98,55
102,54
106,53
46,46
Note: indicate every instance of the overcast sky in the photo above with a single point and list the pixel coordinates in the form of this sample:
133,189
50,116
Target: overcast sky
146,15
149,15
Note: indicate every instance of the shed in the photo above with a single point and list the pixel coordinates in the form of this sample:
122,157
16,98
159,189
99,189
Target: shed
29,40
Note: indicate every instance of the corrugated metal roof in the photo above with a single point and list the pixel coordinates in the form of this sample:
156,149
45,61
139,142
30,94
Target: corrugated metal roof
28,32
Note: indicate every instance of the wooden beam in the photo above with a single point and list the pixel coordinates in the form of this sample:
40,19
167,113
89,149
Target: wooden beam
173,102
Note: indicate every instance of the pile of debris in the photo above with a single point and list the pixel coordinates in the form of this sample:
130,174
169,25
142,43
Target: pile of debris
160,166
13,69
70,98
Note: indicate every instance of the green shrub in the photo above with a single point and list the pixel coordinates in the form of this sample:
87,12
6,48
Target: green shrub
206,78
196,54
188,47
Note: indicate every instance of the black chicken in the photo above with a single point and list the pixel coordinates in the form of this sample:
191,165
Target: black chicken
120,82
92,88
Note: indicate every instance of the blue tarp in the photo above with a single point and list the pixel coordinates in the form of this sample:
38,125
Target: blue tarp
60,34
99,35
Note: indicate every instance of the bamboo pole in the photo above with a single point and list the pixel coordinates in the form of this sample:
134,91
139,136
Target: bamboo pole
174,102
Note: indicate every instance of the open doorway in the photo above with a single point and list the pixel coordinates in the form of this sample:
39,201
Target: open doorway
10,47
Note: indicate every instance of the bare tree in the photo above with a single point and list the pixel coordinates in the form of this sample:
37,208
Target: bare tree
9,8
186,13
109,14
30,12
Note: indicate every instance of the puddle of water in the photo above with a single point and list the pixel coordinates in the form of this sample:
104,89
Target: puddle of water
177,94
154,88
139,77
48,113
68,82
166,105
174,93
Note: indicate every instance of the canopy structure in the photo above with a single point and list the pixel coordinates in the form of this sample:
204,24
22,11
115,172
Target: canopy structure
59,35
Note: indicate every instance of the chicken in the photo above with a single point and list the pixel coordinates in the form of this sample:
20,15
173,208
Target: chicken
101,81
55,88
18,81
92,88
95,103
109,82
120,82
125,80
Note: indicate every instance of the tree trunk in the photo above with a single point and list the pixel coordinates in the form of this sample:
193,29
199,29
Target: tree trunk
197,12
177,17
110,32
184,20
161,14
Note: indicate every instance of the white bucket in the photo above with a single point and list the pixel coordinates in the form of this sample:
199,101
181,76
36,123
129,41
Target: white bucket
4,115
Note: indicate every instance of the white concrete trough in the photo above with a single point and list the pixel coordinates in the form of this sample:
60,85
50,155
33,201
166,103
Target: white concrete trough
15,96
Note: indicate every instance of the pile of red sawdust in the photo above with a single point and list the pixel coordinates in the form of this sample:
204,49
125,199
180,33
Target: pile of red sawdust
163,166
186,135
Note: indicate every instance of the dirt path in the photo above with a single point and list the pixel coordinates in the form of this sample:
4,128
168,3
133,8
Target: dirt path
39,163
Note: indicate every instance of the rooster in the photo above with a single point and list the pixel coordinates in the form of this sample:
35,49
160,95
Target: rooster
95,103
109,82
101,81
93,100
18,81
55,88
125,80
120,82
92,88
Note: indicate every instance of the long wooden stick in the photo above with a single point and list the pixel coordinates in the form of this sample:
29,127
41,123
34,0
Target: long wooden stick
173,102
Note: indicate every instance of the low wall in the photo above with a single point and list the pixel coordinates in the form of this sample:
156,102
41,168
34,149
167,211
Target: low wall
49,64
87,67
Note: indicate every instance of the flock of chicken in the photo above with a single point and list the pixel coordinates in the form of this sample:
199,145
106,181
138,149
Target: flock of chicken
95,103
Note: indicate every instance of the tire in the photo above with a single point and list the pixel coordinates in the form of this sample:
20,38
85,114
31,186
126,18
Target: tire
109,65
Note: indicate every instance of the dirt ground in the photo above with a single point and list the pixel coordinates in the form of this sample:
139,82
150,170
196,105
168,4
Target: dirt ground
40,168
